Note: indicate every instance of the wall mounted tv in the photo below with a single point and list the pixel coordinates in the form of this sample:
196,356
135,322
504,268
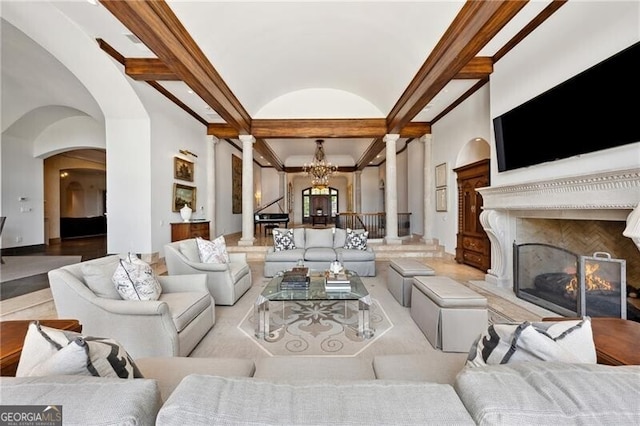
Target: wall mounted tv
594,110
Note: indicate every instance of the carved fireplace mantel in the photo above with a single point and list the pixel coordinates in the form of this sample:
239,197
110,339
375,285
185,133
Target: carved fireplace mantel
611,195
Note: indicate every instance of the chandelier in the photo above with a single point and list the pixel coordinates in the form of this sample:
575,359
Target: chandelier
320,170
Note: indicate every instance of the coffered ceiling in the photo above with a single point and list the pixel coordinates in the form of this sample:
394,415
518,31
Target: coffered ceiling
290,72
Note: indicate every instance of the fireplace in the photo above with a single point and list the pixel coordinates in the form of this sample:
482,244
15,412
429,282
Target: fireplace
569,284
581,213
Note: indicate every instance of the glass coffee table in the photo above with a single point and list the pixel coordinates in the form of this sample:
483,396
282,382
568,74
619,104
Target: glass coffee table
317,291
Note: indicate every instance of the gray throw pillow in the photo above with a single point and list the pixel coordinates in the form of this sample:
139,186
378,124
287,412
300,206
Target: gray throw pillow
98,279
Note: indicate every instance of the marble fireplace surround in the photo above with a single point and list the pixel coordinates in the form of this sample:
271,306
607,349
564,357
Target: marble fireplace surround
613,195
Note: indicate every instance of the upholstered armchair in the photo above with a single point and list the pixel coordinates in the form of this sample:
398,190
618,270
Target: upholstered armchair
170,326
227,282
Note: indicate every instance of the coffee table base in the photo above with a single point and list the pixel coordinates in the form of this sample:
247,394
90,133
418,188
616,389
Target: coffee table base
263,323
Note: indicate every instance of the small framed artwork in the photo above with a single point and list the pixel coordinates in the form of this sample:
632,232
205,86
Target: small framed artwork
182,169
183,194
441,175
441,199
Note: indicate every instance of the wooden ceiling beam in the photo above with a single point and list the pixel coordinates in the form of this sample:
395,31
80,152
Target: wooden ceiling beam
476,24
148,69
319,128
263,149
155,24
374,149
478,67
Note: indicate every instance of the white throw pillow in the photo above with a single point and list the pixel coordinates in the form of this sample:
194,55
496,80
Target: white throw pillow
283,239
47,352
559,341
135,280
213,251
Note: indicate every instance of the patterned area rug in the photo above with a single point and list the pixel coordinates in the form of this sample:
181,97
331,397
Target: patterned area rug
317,328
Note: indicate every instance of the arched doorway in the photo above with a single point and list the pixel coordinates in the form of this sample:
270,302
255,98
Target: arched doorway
319,206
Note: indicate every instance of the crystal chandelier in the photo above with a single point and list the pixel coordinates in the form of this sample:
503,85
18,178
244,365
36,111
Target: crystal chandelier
320,170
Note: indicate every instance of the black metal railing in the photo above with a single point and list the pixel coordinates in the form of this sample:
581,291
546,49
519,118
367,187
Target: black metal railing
375,223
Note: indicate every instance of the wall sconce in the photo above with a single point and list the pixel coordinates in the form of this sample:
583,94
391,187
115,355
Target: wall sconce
64,174
187,152
258,196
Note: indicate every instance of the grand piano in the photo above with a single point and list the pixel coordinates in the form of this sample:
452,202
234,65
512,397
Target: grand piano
269,220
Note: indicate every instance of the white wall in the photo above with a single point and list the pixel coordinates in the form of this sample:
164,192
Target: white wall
576,37
22,176
415,185
466,122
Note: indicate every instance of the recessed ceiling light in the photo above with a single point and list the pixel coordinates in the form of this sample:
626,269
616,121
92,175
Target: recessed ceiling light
189,91
93,2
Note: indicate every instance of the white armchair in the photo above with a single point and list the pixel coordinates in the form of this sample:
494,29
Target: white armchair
170,326
227,282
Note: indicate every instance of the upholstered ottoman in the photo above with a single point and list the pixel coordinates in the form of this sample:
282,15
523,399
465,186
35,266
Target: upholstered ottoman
400,278
449,314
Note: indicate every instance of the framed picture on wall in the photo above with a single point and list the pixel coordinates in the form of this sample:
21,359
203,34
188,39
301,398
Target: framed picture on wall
441,175
441,199
183,194
236,184
182,169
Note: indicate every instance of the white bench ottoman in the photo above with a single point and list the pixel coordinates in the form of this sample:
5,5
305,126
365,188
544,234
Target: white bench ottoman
449,314
400,278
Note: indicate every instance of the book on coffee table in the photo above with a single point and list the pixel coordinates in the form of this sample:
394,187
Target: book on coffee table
337,282
296,278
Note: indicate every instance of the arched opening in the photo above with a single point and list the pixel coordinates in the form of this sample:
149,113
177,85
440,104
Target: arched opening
319,206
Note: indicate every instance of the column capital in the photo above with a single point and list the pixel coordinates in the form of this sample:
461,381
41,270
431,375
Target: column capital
358,172
213,139
427,137
247,138
390,137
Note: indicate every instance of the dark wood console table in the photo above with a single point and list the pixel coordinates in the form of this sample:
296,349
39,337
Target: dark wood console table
616,340
319,219
12,338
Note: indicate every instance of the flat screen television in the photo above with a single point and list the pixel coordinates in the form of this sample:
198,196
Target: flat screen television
594,110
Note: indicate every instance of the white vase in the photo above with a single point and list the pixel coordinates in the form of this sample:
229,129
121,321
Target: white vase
185,212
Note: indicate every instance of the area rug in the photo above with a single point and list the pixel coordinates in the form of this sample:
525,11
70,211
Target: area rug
325,327
16,267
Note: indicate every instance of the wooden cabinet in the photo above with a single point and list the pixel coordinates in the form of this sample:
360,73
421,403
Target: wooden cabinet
186,230
473,246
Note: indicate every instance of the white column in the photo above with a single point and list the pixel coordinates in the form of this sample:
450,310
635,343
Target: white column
247,190
358,191
282,176
210,209
429,190
391,191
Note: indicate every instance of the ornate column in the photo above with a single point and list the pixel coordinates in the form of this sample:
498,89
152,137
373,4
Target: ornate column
391,193
247,190
428,189
210,209
358,191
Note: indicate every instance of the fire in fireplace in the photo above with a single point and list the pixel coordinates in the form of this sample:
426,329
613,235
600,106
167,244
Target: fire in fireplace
568,284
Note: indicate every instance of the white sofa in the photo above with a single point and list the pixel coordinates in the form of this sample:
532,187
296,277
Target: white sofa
317,248
170,326
343,391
